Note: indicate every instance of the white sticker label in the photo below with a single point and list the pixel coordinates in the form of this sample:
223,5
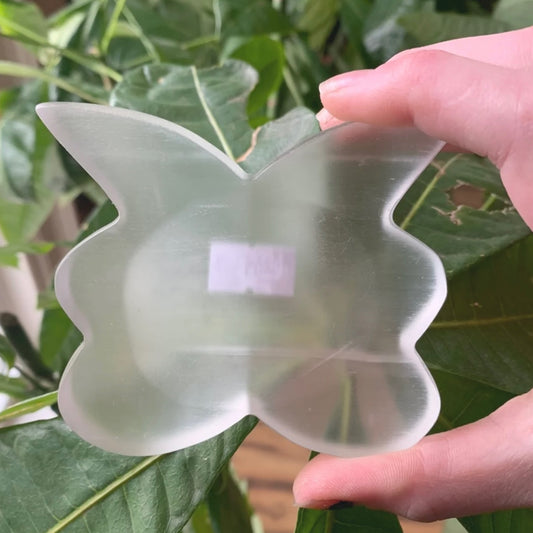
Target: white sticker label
261,269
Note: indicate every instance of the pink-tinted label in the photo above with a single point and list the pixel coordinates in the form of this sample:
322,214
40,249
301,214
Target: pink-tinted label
259,269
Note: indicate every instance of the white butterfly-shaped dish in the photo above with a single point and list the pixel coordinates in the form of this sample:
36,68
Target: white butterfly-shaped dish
290,295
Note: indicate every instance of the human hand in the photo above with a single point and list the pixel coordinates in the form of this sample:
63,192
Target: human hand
484,466
475,94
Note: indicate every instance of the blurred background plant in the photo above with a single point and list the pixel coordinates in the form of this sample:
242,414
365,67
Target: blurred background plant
170,58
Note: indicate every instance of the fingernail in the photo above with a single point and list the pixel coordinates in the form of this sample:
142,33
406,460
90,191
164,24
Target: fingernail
312,504
325,119
323,116
341,81
340,505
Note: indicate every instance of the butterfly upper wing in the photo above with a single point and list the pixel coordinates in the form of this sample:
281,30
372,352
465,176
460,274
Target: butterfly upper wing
113,284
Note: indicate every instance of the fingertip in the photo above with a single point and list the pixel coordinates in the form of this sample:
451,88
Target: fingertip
327,120
312,483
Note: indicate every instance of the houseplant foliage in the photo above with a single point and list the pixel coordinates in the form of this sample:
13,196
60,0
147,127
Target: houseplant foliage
243,74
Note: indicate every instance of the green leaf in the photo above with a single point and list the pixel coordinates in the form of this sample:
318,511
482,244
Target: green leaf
430,28
8,253
14,387
199,521
452,525
31,174
485,328
459,208
358,519
278,136
383,36
58,339
256,17
42,462
102,216
23,346
7,353
211,102
63,24
516,521
46,299
353,14
22,19
318,19
19,221
29,406
228,507
515,13
9,68
303,73
25,143
266,56
176,31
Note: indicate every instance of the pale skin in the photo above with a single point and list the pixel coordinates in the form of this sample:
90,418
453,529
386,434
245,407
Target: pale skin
477,95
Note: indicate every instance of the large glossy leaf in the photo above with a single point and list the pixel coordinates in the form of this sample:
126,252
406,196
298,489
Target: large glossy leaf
357,519
485,329
459,207
276,137
52,481
517,521
211,102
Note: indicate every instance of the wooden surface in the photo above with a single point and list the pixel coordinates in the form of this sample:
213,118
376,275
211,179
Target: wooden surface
269,463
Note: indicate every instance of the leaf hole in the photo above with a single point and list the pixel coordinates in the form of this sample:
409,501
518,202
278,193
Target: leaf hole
464,194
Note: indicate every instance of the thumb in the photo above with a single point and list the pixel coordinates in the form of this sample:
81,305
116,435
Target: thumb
479,107
481,467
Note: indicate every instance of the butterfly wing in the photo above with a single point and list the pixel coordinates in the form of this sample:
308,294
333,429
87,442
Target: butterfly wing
364,293
128,287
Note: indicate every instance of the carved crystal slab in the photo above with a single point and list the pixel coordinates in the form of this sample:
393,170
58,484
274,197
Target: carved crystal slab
290,295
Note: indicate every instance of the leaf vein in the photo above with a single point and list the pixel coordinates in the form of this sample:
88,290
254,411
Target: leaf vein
476,322
210,117
103,493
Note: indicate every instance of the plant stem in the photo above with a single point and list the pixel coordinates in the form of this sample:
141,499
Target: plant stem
28,406
17,70
110,30
28,377
20,341
148,45
488,202
293,89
